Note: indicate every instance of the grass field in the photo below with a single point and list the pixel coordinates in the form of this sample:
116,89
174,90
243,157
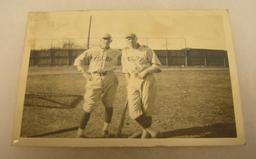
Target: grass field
190,103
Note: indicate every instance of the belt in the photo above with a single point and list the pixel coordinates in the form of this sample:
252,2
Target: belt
135,75
101,73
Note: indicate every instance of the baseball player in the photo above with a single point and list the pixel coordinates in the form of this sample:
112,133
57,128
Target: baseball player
101,82
139,63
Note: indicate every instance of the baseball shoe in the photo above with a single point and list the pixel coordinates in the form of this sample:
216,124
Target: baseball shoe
81,136
135,135
105,134
155,135
145,134
80,133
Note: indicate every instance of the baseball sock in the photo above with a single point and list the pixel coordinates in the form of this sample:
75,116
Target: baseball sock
84,120
108,114
83,123
107,117
144,121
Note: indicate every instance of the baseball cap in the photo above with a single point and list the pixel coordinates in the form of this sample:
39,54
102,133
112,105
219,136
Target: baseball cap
131,35
106,36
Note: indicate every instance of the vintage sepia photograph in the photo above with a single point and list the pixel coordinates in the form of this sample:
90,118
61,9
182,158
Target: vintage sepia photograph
128,78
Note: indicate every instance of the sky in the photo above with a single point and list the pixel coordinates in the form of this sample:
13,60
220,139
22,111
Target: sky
157,29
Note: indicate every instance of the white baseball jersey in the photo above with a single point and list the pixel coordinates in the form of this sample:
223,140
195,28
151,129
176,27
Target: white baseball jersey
100,59
99,87
136,60
140,92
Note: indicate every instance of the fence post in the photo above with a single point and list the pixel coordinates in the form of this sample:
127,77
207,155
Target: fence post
69,57
205,59
34,56
224,61
166,57
186,58
52,55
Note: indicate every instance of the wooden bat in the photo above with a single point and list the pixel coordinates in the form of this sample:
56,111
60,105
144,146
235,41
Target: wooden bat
121,123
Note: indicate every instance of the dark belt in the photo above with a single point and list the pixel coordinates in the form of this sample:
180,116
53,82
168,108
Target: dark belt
101,73
149,74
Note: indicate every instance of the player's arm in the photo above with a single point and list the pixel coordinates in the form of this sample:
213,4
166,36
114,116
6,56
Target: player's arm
79,64
127,76
115,64
154,68
155,65
124,66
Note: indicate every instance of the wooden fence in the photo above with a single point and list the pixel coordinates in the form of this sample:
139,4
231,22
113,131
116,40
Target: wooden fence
188,57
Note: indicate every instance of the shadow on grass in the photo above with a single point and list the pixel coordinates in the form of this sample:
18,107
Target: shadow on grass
62,101
218,130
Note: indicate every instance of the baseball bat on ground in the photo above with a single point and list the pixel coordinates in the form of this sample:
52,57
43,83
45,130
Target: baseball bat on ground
121,123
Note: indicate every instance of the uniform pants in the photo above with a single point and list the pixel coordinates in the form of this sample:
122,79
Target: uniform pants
141,95
100,88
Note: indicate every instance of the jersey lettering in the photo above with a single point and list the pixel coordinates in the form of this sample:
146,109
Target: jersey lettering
138,59
99,58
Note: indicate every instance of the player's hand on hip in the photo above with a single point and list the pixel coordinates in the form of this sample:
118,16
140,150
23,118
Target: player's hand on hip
141,75
87,76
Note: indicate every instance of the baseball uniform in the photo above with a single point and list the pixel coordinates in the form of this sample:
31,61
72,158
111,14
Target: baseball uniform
103,84
140,92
